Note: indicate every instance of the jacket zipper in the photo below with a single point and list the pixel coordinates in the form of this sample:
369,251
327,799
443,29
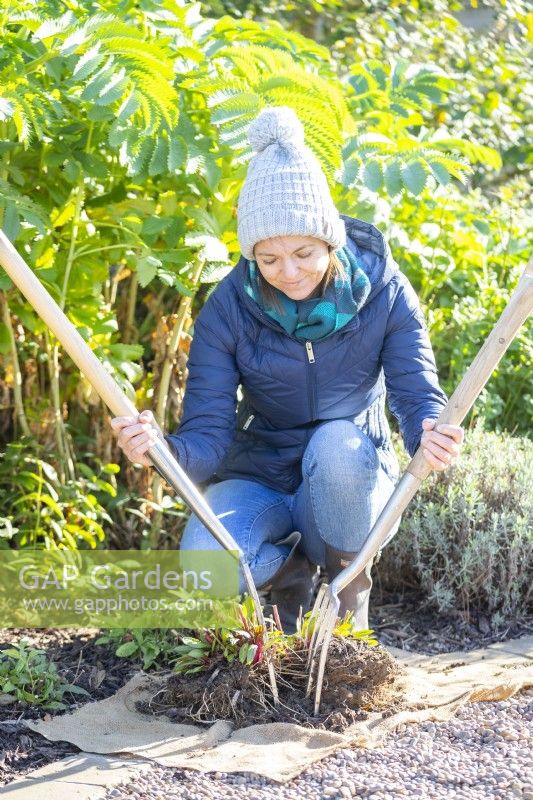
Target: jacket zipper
248,422
311,378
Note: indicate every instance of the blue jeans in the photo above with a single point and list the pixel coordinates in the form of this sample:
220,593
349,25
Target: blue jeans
346,482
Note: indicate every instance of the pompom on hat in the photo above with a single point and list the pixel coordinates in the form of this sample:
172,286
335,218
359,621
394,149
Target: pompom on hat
285,192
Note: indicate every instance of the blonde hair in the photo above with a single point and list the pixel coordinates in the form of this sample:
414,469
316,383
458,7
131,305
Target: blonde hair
334,269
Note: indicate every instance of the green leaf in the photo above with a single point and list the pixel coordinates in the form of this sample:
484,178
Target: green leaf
154,224
73,689
140,156
93,165
97,84
114,90
482,226
5,339
147,269
373,175
177,152
52,27
440,172
127,649
243,653
414,177
213,272
126,352
11,223
117,134
393,178
192,641
350,171
5,281
159,160
128,107
55,704
88,63
250,655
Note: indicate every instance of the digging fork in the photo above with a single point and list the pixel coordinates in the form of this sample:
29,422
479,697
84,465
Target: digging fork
325,611
82,355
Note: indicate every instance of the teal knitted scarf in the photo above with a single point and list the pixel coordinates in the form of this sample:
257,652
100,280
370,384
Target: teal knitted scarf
317,317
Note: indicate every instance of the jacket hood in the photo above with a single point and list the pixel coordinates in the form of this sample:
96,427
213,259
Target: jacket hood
364,239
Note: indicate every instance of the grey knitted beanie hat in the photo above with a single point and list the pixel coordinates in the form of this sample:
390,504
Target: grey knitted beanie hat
285,192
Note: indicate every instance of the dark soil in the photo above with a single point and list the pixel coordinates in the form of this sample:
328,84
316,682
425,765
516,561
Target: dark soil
23,750
79,661
358,678
403,621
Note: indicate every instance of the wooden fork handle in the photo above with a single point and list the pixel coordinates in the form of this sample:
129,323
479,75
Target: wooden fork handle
513,316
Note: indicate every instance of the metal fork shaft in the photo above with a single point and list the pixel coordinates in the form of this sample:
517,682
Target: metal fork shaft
169,468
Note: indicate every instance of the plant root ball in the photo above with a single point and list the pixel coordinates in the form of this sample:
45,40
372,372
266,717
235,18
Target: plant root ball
359,678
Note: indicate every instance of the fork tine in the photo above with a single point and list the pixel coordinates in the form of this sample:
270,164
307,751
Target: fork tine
315,616
313,648
325,614
328,626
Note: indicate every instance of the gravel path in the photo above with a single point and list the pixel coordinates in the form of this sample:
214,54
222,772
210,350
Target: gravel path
484,753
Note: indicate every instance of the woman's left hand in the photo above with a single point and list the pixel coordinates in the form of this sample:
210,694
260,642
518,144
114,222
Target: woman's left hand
442,445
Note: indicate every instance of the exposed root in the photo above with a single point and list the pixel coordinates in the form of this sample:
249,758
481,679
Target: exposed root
358,678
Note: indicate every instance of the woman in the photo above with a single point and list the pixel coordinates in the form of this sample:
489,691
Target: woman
317,325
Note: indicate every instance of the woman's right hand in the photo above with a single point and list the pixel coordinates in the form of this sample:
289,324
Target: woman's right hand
136,436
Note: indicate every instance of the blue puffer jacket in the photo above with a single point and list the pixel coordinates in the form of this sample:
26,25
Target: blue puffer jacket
290,386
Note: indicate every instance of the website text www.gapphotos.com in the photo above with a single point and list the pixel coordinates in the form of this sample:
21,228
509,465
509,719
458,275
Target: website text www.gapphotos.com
110,605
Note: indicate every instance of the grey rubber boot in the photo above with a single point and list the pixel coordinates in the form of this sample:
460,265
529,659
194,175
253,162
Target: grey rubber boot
355,597
292,586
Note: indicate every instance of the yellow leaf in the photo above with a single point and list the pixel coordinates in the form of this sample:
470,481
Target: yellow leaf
9,374
529,23
46,259
61,216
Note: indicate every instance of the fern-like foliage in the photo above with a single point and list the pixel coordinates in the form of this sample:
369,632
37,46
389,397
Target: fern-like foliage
15,205
389,101
242,80
116,61
99,62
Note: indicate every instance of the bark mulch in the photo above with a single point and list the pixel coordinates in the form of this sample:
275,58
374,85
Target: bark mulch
402,621
80,662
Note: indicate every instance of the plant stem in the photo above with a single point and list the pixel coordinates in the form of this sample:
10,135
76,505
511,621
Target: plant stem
80,253
20,415
5,162
162,392
173,345
132,303
74,235
64,449
59,428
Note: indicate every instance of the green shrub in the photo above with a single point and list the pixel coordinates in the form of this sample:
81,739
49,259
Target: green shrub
155,647
467,537
41,511
27,675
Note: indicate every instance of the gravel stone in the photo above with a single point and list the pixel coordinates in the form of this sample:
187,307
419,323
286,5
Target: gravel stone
480,754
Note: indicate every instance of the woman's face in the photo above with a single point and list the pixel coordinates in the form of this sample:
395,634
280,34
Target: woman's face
293,264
